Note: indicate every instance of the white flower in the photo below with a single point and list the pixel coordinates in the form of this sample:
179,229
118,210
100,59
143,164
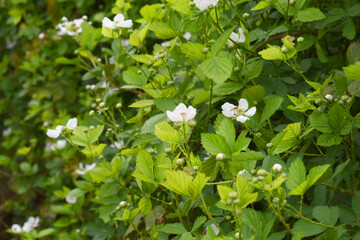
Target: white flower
41,35
204,4
119,22
60,144
117,145
181,114
26,227
220,156
70,199
241,112
72,123
31,223
7,131
16,228
83,170
329,97
187,36
54,133
237,37
70,28
242,172
277,168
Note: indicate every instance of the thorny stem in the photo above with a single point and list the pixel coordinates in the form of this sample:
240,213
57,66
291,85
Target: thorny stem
206,211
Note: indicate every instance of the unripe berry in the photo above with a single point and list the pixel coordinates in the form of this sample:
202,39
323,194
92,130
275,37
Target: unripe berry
262,172
102,104
269,145
276,200
118,106
168,150
205,50
261,178
254,180
180,161
300,39
91,113
233,195
228,217
229,202
236,201
195,168
192,4
122,204
284,49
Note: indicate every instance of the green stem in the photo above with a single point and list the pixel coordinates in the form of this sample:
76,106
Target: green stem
210,100
206,211
281,219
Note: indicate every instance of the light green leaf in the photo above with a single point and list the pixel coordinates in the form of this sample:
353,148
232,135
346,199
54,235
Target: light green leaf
254,94
261,5
217,68
227,130
249,156
349,30
198,222
353,71
145,205
199,96
270,108
220,42
162,30
95,133
175,228
167,133
296,175
310,15
215,144
272,53
142,103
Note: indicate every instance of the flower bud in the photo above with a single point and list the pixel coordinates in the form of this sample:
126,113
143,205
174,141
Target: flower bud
277,168
300,39
258,134
122,204
233,195
229,202
91,127
102,104
261,178
284,49
192,4
190,97
220,156
170,82
98,100
254,179
195,168
329,97
205,50
345,97
267,188
180,161
253,172
192,123
318,101
262,172
91,113
292,2
245,15
99,60
64,19
269,145
150,62
85,18
276,200
236,201
228,217
237,235
237,69
118,106
93,87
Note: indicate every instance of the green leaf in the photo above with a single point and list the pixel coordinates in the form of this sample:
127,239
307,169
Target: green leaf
227,88
261,5
144,167
76,192
272,53
296,175
162,30
254,94
109,33
145,205
182,6
165,132
220,42
150,12
310,15
353,71
142,103
67,61
199,96
270,108
175,228
349,30
131,77
194,51
45,232
356,203
353,52
326,215
321,53
215,144
198,222
217,68
101,172
108,189
149,125
338,121
95,133
289,139
249,156
137,37
328,139
319,121
307,228
227,130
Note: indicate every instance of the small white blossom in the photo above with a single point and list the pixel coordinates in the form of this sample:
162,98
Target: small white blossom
187,36
33,222
41,35
70,28
241,112
54,133
119,22
60,144
277,168
16,228
204,4
117,145
72,123
220,156
329,97
237,37
71,199
122,204
83,170
181,114
242,172
7,131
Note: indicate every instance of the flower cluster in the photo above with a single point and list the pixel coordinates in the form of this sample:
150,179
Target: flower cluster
119,22
241,112
30,224
83,170
55,133
70,28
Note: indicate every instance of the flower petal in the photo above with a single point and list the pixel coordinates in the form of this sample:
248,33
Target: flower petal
242,35
250,112
53,133
106,22
72,123
190,113
174,116
235,37
119,18
242,118
126,24
243,104
228,110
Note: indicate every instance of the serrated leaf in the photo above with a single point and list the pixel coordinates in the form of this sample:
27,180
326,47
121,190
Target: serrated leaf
142,103
194,51
165,132
319,121
162,30
296,175
227,88
145,205
145,166
307,228
199,96
215,144
198,222
349,30
254,94
149,125
227,130
353,71
220,42
353,52
310,15
109,33
272,53
261,5
217,68
318,173
328,139
249,156
337,120
95,133
355,203
175,228
326,215
270,108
